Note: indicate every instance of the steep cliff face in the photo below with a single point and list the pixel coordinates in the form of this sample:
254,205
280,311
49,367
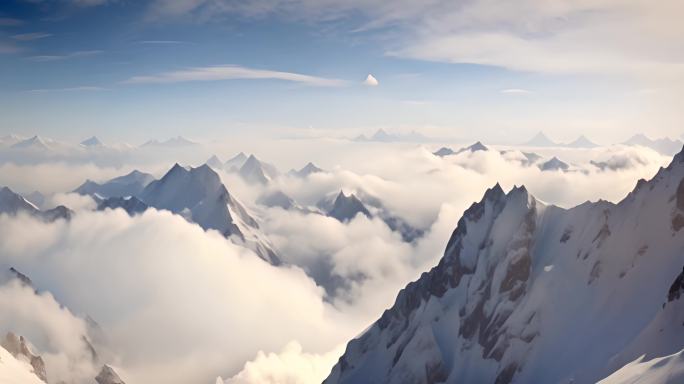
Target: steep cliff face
527,292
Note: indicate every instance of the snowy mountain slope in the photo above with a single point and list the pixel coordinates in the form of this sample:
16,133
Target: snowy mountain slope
19,348
257,172
12,203
198,195
529,293
16,371
661,370
128,185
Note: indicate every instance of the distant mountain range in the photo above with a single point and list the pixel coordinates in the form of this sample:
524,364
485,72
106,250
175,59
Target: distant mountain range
385,137
196,194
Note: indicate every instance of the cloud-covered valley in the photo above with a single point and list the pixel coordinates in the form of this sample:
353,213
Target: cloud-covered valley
199,306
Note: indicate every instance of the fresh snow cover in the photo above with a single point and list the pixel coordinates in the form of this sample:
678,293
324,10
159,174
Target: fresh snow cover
13,203
14,371
492,311
257,172
198,195
130,184
661,370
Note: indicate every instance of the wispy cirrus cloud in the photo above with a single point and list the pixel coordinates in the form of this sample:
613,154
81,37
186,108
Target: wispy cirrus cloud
65,56
232,72
30,36
85,88
516,91
10,22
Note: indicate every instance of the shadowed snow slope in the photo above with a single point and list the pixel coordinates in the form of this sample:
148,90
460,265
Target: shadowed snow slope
531,293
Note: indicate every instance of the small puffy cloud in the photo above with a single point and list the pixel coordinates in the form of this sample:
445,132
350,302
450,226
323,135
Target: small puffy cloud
371,81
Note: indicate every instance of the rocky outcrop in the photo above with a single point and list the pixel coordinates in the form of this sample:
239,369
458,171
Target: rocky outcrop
108,375
18,347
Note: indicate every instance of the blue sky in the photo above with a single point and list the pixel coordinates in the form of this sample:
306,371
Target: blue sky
133,70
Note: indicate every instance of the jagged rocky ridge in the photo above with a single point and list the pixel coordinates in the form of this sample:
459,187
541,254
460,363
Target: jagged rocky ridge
530,293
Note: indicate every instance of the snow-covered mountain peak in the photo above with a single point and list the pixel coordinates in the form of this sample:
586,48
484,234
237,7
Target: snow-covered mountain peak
540,140
92,141
214,162
35,142
199,195
530,293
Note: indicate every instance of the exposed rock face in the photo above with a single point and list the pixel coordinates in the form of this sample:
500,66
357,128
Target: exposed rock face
12,203
18,347
346,207
676,288
529,293
108,375
132,205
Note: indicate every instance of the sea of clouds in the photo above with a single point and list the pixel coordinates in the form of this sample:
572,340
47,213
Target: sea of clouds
164,301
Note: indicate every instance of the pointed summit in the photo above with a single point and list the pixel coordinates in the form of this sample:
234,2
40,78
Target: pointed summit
582,142
478,146
198,195
234,163
214,162
35,142
346,207
307,170
255,171
92,141
554,164
540,140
